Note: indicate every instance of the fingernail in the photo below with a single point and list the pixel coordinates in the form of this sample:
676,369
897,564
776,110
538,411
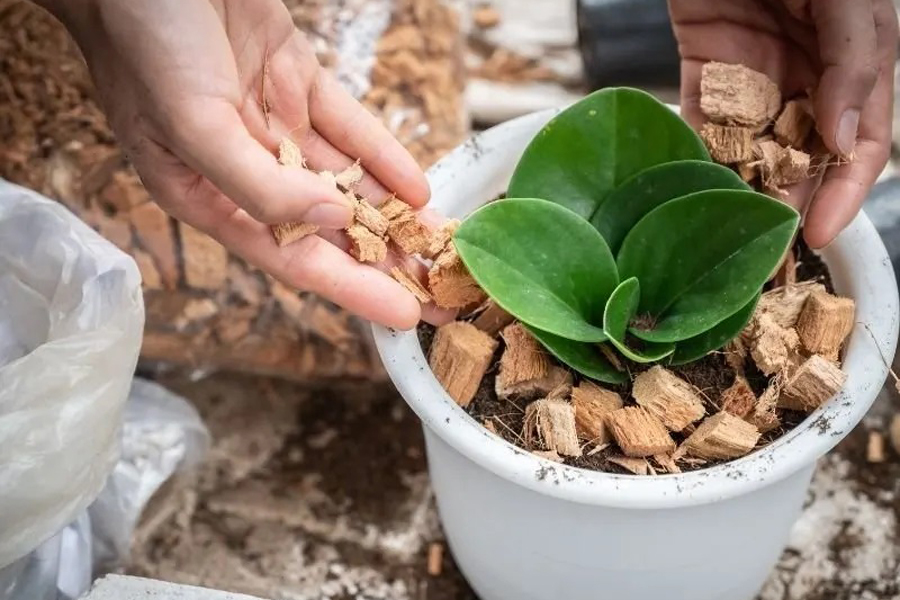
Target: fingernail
846,132
330,216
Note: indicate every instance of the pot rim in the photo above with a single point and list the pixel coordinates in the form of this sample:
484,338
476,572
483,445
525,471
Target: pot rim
872,341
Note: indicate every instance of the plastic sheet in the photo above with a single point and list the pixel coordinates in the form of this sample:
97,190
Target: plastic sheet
71,315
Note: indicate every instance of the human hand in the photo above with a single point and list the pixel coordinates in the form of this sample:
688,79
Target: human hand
184,82
844,51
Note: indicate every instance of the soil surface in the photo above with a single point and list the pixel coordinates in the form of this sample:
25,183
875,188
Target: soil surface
319,494
711,376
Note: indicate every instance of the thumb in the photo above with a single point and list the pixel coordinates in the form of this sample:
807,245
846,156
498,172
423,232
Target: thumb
847,46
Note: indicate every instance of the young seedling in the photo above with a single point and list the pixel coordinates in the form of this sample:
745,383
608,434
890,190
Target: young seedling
619,230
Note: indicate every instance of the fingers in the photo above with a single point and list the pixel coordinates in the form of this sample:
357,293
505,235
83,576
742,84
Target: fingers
847,46
846,186
340,119
215,142
323,156
310,264
842,193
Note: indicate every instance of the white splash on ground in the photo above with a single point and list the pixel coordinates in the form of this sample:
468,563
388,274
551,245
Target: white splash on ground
843,541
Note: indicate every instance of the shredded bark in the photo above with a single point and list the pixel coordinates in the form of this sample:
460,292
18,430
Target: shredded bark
451,284
825,323
550,425
408,280
668,397
638,433
460,355
814,382
737,95
592,405
727,144
722,436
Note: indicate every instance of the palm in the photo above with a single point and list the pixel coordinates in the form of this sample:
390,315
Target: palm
202,116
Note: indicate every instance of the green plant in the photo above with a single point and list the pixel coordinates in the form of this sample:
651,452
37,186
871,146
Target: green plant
618,229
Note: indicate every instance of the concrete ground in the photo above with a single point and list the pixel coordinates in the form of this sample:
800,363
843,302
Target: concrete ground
323,494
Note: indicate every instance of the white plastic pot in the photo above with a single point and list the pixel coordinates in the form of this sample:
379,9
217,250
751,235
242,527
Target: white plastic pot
524,528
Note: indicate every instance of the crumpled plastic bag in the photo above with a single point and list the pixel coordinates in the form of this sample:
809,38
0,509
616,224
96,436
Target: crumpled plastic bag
162,434
71,318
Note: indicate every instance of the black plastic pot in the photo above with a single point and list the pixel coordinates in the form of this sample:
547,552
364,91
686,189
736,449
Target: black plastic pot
883,207
627,42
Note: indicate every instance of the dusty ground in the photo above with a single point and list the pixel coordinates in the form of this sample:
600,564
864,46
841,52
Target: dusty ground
311,494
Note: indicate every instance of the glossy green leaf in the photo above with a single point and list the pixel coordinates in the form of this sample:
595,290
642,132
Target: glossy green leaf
620,310
542,263
702,257
630,202
583,357
593,146
699,346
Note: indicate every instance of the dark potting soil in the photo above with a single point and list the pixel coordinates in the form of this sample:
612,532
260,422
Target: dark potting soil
711,375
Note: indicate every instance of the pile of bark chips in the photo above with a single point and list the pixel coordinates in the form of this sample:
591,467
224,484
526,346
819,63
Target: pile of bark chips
207,309
658,422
